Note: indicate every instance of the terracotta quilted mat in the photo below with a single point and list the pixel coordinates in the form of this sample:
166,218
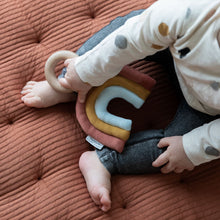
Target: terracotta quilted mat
40,148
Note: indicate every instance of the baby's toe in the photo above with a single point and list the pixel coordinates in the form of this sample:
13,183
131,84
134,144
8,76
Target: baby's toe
31,100
32,83
106,202
26,91
101,198
27,88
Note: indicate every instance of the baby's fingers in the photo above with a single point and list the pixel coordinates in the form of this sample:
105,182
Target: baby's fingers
161,160
164,142
67,62
82,96
64,83
167,169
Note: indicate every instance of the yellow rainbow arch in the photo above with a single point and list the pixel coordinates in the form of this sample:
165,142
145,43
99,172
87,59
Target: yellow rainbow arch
121,81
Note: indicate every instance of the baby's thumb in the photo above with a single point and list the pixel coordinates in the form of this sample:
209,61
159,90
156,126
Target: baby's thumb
64,83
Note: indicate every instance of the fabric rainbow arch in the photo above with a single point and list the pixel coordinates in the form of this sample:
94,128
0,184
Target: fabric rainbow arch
108,129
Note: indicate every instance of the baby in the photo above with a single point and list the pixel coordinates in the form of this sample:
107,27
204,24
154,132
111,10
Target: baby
191,31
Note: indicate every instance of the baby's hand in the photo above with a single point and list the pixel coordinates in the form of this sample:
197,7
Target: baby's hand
174,157
73,81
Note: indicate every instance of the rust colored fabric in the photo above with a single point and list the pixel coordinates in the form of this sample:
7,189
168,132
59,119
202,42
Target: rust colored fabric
40,148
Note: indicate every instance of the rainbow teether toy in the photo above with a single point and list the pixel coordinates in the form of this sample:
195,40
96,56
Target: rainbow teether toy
106,128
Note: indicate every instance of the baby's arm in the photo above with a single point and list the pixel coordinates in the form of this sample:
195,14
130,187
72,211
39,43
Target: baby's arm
155,29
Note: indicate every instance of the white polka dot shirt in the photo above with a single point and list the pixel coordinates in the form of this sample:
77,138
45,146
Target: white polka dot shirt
191,30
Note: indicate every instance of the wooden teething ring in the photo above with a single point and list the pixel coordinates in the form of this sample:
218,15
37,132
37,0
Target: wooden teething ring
50,65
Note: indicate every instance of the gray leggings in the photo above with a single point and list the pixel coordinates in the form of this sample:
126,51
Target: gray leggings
141,149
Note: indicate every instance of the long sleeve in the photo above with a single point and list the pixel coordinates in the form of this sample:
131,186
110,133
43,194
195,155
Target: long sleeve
191,31
203,144
155,29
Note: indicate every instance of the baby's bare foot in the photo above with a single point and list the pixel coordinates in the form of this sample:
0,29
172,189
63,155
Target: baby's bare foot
42,95
98,179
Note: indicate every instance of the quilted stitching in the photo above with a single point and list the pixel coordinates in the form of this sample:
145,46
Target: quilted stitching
40,148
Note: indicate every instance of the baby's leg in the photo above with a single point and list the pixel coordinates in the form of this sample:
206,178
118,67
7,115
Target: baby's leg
141,148
138,154
42,95
98,179
97,167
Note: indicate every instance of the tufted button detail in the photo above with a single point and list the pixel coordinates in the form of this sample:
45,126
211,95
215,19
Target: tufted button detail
91,9
182,181
38,40
10,122
124,206
92,15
